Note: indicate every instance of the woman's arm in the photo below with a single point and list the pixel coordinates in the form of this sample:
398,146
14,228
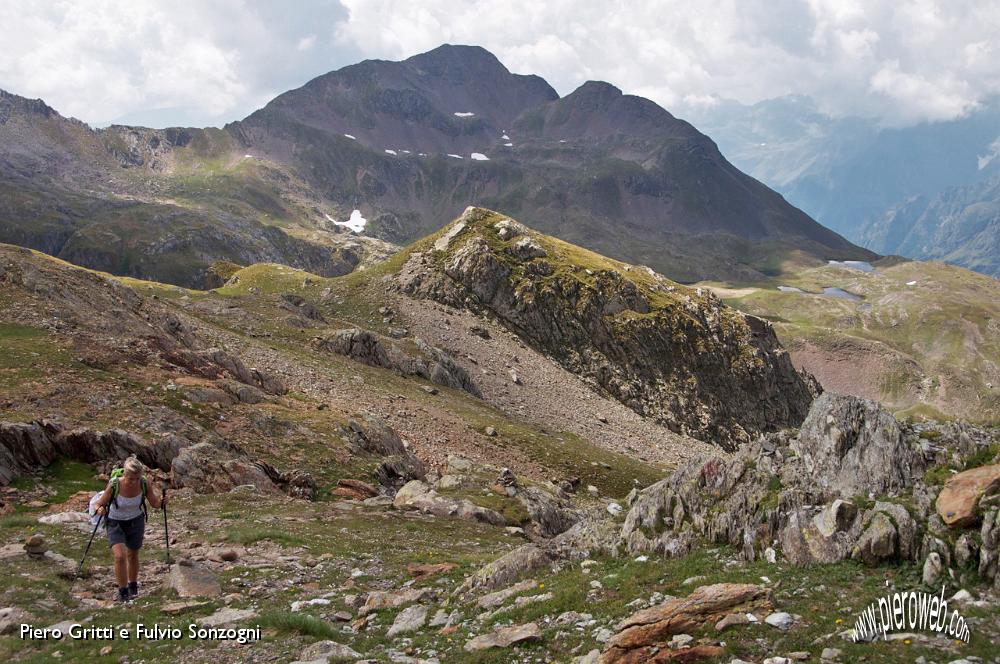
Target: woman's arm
104,500
154,500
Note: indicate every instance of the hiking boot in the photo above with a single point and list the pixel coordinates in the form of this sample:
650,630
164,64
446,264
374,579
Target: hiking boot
123,596
133,589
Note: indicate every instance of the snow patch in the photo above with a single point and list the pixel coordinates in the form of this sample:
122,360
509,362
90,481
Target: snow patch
456,156
911,283
405,151
505,137
350,137
789,289
508,145
388,151
248,156
479,156
463,114
356,223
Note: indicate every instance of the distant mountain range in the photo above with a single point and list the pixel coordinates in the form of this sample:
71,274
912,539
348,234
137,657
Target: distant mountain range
926,191
395,150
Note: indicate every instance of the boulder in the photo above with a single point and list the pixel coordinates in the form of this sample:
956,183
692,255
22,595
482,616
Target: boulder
495,599
878,541
11,619
410,619
234,367
851,446
36,546
549,515
989,548
226,616
378,600
322,652
372,435
505,637
189,579
825,538
418,495
506,569
932,569
210,468
781,620
354,489
958,501
647,632
424,570
906,528
242,392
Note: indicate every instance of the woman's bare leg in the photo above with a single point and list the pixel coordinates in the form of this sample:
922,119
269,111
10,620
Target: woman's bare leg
120,552
133,565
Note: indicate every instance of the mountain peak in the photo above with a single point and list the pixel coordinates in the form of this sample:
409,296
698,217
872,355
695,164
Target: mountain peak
25,105
457,53
598,89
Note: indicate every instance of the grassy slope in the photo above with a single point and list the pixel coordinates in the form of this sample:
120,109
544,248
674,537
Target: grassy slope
935,346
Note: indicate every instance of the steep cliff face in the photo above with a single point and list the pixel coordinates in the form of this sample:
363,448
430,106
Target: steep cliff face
668,352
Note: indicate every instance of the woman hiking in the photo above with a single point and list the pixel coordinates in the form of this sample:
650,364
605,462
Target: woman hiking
122,502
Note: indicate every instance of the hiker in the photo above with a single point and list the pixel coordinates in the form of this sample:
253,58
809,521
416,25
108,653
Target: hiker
123,502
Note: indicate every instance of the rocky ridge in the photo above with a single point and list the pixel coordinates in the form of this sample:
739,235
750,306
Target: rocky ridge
676,355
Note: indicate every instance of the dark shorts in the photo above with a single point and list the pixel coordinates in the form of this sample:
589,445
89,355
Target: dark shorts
129,533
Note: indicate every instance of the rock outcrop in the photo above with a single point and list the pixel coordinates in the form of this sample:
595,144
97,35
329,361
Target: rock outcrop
29,446
675,354
209,466
372,436
810,494
417,495
369,348
217,467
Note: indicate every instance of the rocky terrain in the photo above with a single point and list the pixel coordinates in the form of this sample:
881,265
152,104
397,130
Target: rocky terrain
322,177
492,447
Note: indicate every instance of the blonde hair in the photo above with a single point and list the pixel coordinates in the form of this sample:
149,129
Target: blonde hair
133,467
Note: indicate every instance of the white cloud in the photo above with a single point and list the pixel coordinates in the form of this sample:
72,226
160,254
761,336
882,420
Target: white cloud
902,61
888,59
992,152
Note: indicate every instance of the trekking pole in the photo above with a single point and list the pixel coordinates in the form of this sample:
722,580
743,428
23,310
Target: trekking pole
79,567
166,529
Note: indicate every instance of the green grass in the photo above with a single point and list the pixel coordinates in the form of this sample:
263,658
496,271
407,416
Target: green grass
251,534
65,476
29,353
285,622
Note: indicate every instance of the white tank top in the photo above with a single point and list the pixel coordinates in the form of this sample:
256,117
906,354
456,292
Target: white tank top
128,508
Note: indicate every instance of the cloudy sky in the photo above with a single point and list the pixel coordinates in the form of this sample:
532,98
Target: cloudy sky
201,63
